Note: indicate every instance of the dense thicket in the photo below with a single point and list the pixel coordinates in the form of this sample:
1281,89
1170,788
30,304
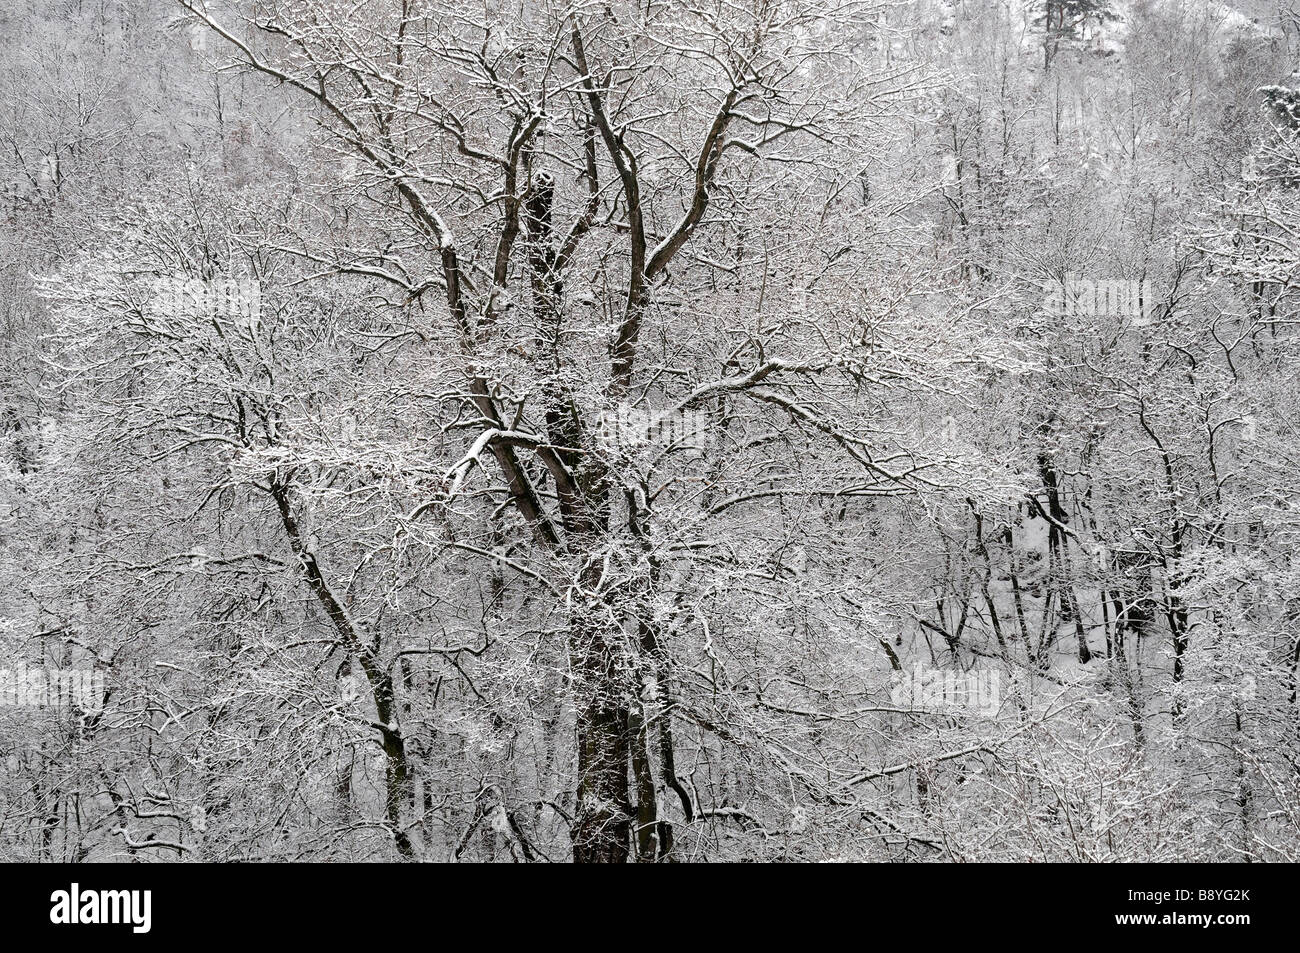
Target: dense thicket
323,325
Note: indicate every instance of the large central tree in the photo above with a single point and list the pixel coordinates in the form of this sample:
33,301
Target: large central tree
603,206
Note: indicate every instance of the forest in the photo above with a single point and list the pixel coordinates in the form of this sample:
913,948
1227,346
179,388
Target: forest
611,431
